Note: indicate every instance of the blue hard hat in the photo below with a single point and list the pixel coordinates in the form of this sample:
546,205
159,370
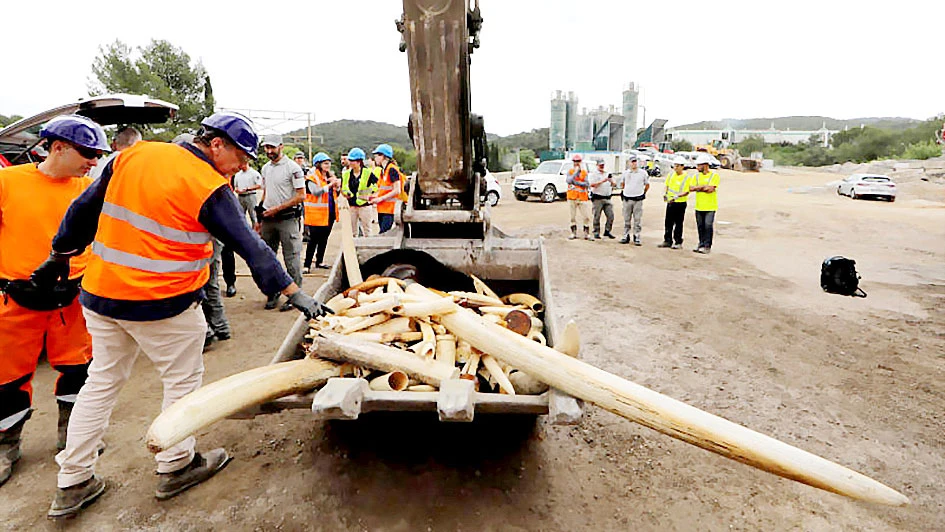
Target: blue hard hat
237,127
356,154
385,150
77,130
320,157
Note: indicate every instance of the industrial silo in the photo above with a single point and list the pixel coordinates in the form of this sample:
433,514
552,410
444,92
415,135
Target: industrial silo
630,98
559,123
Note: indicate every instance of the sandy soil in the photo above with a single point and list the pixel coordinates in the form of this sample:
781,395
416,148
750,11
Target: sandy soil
745,333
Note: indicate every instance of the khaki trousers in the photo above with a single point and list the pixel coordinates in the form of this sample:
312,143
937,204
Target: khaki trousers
174,345
580,212
366,217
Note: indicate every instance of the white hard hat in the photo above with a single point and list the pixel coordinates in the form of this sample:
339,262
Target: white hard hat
703,158
679,159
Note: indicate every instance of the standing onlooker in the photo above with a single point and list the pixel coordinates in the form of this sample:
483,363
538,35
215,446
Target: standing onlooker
635,183
705,184
300,160
358,184
124,139
320,207
579,203
676,197
281,216
601,189
245,184
389,187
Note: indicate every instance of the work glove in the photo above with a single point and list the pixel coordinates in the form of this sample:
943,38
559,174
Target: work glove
53,271
308,306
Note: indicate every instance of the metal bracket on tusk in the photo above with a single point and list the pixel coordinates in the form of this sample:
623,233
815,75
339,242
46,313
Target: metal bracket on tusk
563,409
456,400
340,398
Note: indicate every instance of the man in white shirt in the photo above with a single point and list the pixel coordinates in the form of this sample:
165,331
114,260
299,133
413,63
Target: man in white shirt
281,211
635,182
601,184
245,183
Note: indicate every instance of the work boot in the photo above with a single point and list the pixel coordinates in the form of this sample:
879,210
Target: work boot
625,239
596,236
272,302
677,246
664,245
609,235
70,501
306,270
9,450
230,290
65,411
199,469
286,307
587,233
636,242
699,249
573,232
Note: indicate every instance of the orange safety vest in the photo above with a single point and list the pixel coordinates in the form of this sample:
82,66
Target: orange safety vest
149,244
579,191
316,207
32,205
385,186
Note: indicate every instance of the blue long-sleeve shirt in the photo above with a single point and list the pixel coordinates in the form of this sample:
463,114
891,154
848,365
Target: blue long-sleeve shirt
220,214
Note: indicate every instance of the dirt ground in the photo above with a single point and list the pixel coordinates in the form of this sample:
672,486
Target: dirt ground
745,332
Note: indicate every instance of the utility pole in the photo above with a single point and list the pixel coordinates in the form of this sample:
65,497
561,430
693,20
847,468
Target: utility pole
309,131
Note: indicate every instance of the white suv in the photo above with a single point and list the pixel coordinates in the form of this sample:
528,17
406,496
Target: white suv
548,181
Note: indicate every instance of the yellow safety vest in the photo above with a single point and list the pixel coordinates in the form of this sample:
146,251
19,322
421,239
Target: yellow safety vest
706,201
676,184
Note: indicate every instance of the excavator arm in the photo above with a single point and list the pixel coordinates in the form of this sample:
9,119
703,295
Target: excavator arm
439,37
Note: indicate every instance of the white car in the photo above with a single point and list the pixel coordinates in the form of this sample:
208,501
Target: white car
875,185
493,189
548,181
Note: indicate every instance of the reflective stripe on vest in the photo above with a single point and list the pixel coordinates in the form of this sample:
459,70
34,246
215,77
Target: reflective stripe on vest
138,262
147,224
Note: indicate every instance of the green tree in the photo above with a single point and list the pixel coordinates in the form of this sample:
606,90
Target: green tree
7,120
406,160
682,145
160,70
750,144
527,158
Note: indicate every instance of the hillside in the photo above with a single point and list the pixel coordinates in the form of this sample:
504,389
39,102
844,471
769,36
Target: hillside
804,123
342,135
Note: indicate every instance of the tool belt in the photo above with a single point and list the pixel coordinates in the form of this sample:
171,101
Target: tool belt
599,196
291,213
32,297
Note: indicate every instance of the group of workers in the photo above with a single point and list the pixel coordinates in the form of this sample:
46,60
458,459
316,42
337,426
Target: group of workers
94,272
593,190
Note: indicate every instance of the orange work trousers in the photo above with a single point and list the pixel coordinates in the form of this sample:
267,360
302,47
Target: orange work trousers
24,336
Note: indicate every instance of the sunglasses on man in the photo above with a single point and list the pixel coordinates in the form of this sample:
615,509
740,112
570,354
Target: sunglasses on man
87,153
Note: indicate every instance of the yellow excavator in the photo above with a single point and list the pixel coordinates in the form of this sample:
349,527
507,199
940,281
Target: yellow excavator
729,157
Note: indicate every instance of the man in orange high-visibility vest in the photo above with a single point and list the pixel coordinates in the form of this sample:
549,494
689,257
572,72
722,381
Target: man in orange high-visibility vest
579,201
150,219
33,201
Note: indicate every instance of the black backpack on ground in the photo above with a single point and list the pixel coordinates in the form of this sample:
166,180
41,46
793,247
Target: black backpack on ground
838,276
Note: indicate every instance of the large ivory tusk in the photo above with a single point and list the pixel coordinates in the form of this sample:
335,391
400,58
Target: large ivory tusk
348,251
372,284
496,371
569,341
482,288
394,381
501,310
528,300
662,413
382,305
421,388
340,347
393,325
446,349
425,309
385,338
475,299
393,287
364,323
227,396
427,347
341,305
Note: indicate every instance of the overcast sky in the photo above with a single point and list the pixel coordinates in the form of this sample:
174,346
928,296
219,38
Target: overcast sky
694,60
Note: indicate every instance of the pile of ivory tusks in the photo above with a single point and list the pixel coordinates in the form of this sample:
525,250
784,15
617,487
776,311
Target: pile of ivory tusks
378,310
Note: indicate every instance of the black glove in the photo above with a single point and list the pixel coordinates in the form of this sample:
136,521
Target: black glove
259,211
308,306
53,271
